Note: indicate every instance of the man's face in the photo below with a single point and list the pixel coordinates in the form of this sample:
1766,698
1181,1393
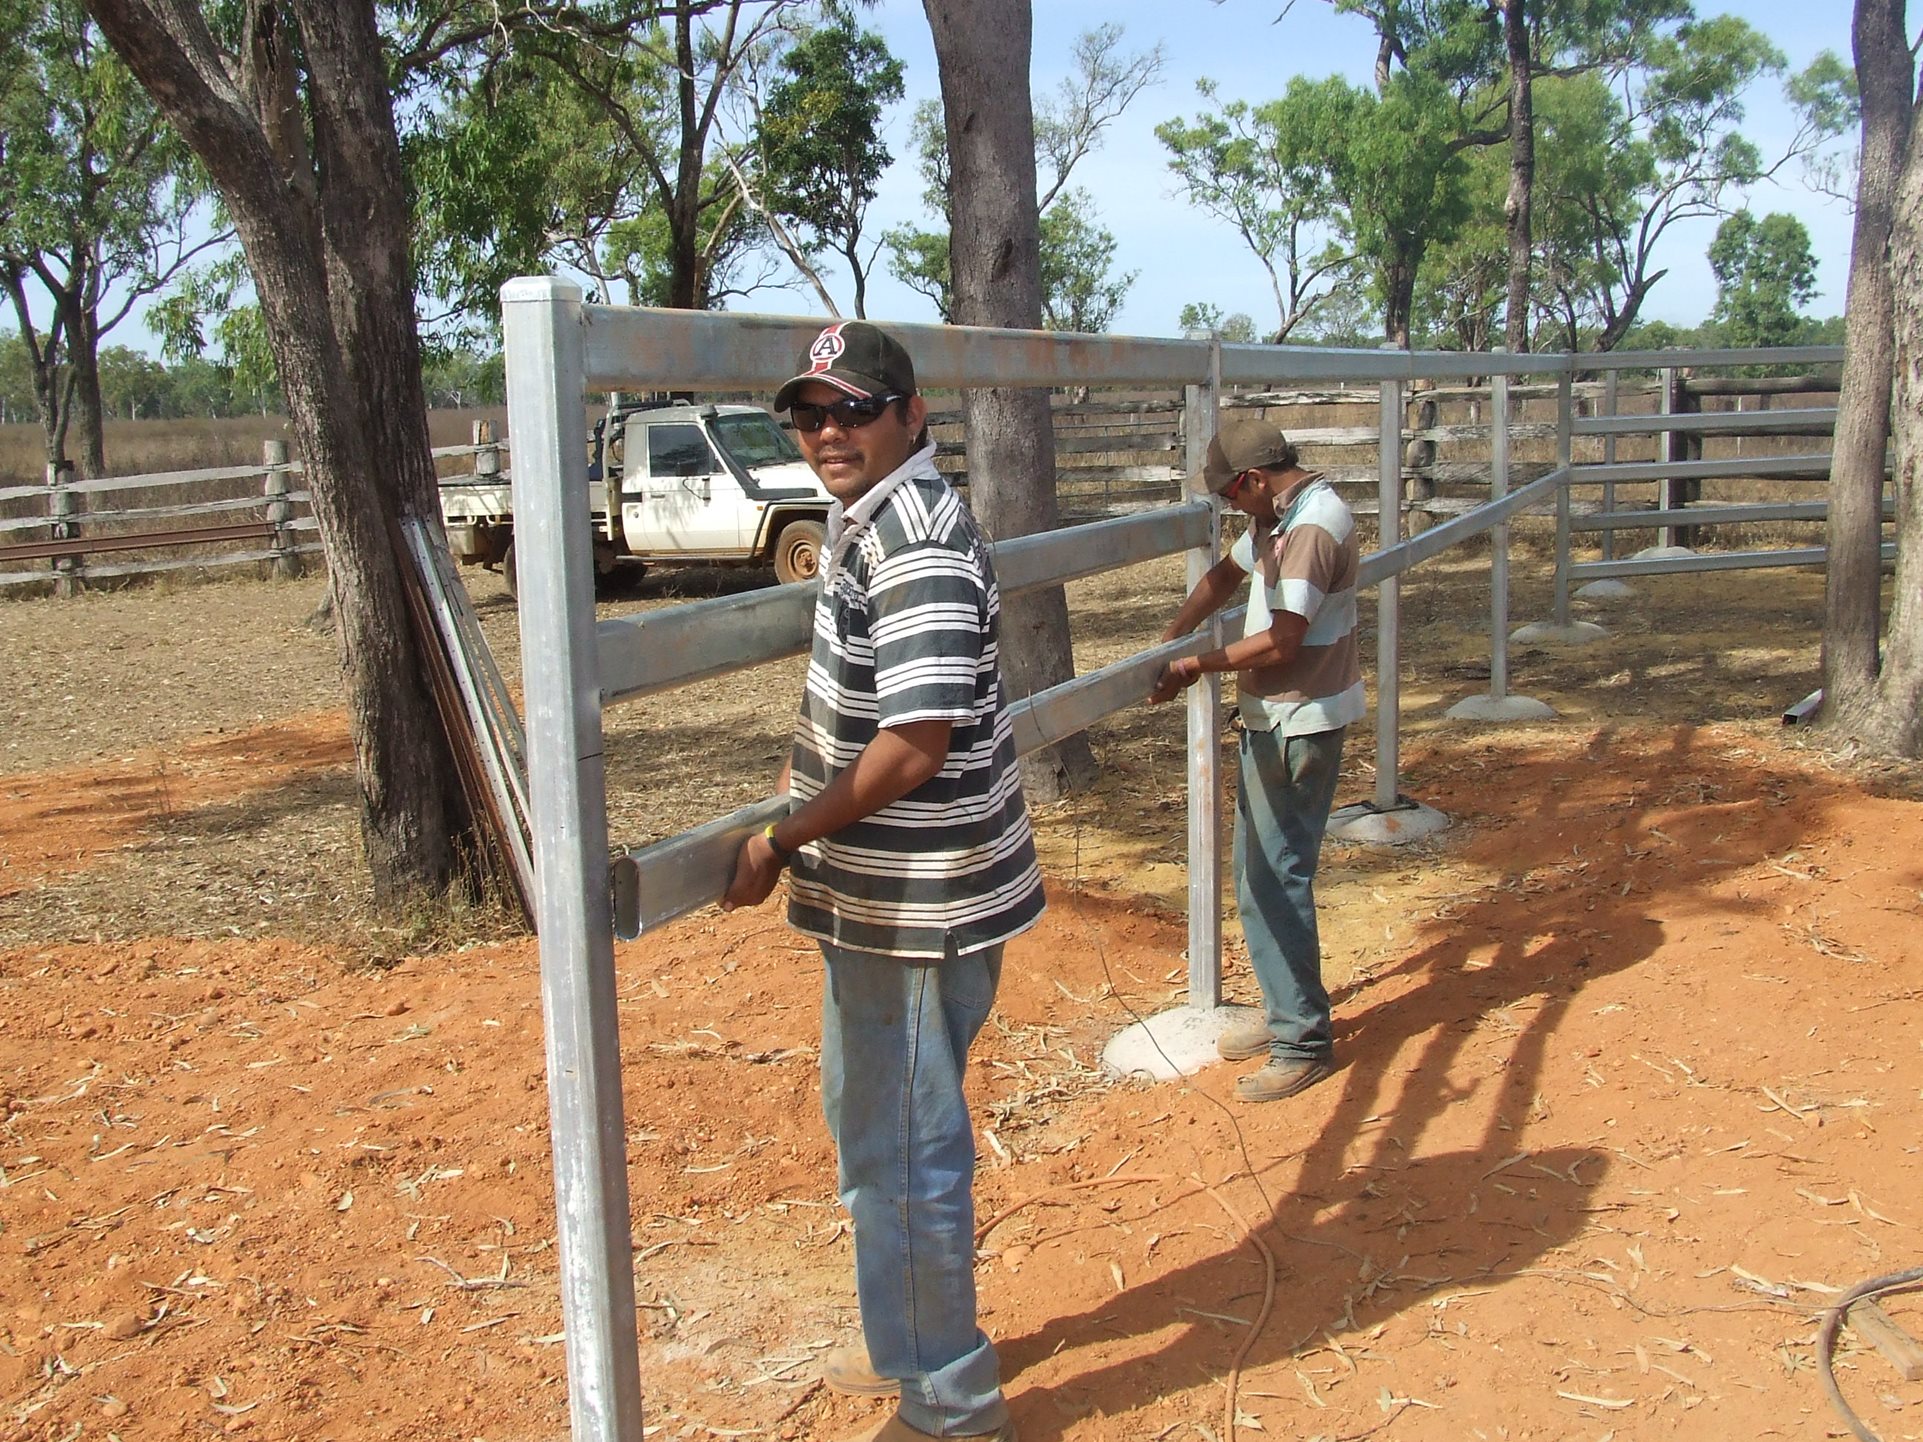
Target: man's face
850,459
1252,492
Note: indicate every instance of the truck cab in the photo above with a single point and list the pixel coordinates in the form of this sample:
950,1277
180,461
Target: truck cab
711,482
675,482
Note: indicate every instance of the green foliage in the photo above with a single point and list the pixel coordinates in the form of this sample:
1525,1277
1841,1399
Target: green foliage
95,189
819,138
137,387
1330,182
1237,329
919,260
1765,272
458,377
1080,291
1262,170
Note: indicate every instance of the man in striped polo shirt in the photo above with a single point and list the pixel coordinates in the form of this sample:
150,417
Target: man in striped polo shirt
911,862
1300,681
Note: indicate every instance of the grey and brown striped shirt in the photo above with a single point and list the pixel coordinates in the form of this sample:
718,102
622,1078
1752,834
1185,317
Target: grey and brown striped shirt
1304,561
906,629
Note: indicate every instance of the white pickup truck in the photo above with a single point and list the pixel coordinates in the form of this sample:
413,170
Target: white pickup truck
709,483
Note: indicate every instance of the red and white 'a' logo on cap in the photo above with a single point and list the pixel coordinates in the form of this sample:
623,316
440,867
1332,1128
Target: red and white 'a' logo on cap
826,350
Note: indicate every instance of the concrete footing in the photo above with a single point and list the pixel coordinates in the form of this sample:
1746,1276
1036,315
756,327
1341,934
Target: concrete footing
1364,822
1172,1044
1505,708
1606,590
1662,553
1548,633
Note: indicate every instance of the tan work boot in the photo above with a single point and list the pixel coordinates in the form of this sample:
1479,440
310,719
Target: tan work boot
848,1371
1244,1039
1281,1079
896,1430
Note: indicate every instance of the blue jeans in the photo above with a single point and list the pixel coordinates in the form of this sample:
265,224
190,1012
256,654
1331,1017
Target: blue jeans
1281,812
894,1044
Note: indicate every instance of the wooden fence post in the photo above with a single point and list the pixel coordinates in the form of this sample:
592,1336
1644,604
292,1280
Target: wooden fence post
487,459
1418,466
1680,399
280,510
66,583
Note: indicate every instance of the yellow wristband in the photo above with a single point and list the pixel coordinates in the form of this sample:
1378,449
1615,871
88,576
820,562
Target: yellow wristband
782,853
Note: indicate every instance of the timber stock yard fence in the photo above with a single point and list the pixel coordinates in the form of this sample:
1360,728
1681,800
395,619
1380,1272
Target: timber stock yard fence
199,519
575,665
1114,455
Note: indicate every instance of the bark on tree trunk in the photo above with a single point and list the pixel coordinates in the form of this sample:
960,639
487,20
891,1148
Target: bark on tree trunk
1892,720
1852,606
88,415
1517,205
325,234
982,50
684,274
1399,296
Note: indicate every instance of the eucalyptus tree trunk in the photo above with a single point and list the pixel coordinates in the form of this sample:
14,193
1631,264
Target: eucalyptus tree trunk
982,49
1890,720
1852,614
297,132
1518,204
89,416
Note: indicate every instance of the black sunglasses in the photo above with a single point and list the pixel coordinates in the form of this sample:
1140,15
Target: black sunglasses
847,415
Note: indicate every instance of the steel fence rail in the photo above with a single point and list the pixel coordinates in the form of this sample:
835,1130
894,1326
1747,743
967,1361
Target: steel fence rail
1794,468
1712,515
557,347
1813,420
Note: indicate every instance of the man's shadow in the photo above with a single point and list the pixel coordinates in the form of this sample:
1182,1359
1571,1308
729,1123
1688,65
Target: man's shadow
1357,1237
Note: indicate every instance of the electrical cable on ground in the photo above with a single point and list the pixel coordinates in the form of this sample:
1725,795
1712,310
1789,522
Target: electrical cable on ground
1832,1322
1248,1161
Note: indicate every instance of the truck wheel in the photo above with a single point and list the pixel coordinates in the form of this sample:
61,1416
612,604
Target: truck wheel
798,551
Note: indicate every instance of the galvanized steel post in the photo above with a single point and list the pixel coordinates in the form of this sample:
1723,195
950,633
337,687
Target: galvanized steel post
1388,638
1565,439
1666,488
567,779
1499,534
1204,721
1612,401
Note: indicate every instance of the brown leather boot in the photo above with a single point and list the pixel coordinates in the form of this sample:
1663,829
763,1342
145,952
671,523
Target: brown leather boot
848,1371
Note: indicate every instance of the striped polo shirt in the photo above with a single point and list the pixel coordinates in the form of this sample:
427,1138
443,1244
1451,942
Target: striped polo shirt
906,629
1305,562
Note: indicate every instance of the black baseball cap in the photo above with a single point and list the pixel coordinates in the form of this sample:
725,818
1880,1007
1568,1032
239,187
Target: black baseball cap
855,357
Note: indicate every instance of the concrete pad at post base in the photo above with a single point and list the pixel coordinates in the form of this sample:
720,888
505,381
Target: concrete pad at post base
1364,822
1606,590
1663,553
1172,1044
1500,708
1548,633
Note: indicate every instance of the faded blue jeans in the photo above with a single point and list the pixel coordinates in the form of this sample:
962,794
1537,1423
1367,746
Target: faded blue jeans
894,1045
1281,812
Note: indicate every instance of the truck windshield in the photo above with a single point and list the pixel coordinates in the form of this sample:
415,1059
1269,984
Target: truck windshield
755,440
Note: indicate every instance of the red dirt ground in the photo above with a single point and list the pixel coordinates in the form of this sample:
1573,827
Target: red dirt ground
1630,1071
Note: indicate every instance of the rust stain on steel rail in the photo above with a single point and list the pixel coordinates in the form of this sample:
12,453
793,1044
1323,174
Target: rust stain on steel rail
695,350
138,541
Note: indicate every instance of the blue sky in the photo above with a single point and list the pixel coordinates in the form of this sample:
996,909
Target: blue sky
1182,255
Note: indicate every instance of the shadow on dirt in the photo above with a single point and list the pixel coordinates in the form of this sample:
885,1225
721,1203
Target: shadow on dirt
1375,1222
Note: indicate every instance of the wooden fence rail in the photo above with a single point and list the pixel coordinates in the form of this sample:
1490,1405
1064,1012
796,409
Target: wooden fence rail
281,533
1114,456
